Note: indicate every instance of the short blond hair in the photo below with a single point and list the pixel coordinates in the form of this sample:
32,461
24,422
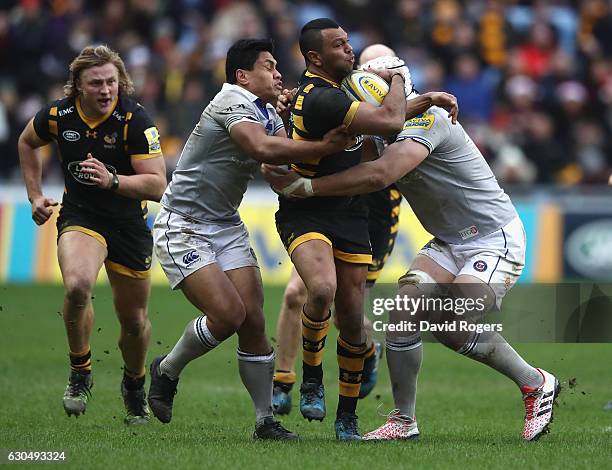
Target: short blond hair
95,56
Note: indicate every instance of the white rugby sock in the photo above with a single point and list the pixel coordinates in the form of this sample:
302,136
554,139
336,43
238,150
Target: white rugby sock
492,349
256,372
196,341
404,357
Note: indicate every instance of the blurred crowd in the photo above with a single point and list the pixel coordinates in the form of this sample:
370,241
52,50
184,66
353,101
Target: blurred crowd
533,78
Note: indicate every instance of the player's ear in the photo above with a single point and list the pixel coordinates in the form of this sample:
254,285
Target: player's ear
314,58
242,77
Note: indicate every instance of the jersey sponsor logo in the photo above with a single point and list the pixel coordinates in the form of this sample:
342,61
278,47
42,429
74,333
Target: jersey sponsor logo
74,168
152,135
91,134
233,108
480,266
190,258
422,121
468,232
373,88
63,112
118,116
71,136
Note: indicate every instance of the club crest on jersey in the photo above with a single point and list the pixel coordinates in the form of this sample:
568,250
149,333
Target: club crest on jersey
71,136
110,140
480,266
152,135
190,258
74,168
422,121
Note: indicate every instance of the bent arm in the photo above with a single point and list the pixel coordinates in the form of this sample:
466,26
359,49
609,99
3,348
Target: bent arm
397,160
277,149
386,119
423,102
418,105
148,183
30,162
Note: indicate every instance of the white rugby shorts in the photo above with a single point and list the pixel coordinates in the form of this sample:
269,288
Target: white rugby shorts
183,245
497,259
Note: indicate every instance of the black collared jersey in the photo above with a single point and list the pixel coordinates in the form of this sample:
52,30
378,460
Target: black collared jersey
126,132
318,107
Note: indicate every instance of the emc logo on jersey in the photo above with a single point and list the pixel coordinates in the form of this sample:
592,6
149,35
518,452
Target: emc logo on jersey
74,168
191,258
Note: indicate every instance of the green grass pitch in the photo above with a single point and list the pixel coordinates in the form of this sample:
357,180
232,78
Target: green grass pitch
468,415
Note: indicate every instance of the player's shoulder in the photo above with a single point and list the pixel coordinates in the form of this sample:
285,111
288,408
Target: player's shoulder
231,98
129,107
61,107
323,97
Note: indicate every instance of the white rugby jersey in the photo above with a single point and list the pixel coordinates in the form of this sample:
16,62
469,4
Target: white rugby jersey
453,192
213,173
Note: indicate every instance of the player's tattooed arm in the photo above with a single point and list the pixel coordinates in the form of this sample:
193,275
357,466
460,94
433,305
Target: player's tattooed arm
31,169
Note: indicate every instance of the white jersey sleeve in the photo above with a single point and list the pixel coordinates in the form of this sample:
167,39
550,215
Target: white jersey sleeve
232,108
429,129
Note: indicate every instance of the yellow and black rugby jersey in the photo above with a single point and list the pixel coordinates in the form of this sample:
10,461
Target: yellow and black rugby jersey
318,107
125,132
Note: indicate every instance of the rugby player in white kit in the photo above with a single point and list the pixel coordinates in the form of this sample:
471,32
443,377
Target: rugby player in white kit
478,250
201,242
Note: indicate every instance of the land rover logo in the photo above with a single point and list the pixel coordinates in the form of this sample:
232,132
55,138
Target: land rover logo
71,136
589,249
82,177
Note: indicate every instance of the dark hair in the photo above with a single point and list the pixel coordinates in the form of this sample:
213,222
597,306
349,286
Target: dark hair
310,36
243,54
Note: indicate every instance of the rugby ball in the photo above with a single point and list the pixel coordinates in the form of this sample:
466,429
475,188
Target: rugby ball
365,86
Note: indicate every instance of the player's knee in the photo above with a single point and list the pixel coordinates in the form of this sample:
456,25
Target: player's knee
136,325
232,315
254,323
77,290
295,297
416,283
321,294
